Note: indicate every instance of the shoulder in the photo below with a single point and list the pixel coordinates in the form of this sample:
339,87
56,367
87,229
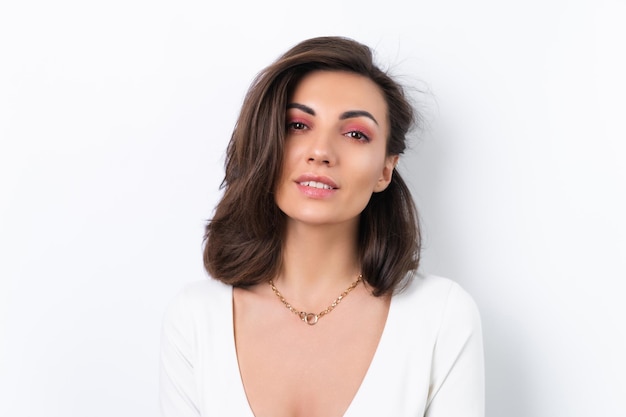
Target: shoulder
197,302
200,290
433,287
442,300
198,293
451,329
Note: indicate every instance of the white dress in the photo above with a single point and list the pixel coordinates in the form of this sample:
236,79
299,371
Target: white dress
429,361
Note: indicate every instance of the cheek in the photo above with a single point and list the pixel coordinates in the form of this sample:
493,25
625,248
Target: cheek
293,150
370,167
288,162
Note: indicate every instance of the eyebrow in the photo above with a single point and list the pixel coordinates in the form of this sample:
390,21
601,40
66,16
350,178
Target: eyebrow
350,114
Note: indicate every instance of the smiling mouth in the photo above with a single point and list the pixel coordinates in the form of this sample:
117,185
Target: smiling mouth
315,184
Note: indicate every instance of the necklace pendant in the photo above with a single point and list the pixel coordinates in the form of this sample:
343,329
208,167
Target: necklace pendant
312,318
309,318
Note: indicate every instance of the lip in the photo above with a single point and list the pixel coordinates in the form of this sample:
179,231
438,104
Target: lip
314,192
317,178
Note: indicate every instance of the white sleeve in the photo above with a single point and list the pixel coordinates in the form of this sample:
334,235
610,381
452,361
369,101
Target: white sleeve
457,386
178,395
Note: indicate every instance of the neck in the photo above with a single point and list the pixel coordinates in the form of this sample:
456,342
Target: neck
318,261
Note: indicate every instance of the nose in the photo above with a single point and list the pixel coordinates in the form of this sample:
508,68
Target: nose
321,150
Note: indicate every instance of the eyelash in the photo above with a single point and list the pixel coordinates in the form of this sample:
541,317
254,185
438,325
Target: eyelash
362,137
356,135
292,126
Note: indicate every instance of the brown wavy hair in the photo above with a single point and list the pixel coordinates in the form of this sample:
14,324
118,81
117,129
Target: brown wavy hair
243,240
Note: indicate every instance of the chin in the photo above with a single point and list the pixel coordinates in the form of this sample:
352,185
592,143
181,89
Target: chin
319,219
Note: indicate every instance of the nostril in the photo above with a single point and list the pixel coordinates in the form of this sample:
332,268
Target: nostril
321,159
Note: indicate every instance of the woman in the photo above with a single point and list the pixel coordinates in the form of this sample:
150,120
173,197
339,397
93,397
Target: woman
314,307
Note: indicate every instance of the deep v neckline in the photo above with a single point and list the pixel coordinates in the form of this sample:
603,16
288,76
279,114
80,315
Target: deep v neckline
373,369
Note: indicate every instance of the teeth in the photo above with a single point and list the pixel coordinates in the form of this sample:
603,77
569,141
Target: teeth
316,184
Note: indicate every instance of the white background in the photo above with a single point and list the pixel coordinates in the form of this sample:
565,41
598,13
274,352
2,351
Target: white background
113,121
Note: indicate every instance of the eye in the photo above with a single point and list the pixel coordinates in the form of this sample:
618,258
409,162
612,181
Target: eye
296,126
357,135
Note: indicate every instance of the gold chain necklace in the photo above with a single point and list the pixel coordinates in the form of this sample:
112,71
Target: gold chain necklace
312,318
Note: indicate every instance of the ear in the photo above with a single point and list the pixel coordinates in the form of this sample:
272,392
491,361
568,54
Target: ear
385,177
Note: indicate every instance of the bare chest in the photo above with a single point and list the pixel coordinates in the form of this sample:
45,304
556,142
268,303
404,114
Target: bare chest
291,369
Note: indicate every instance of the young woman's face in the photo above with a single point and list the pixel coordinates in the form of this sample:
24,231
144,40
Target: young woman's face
335,148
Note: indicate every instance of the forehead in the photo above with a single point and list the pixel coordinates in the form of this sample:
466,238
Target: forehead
341,91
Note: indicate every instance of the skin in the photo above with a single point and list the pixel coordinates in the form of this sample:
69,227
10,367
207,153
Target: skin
336,135
340,143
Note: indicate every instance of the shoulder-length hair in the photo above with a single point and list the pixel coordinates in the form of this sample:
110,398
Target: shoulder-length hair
243,240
